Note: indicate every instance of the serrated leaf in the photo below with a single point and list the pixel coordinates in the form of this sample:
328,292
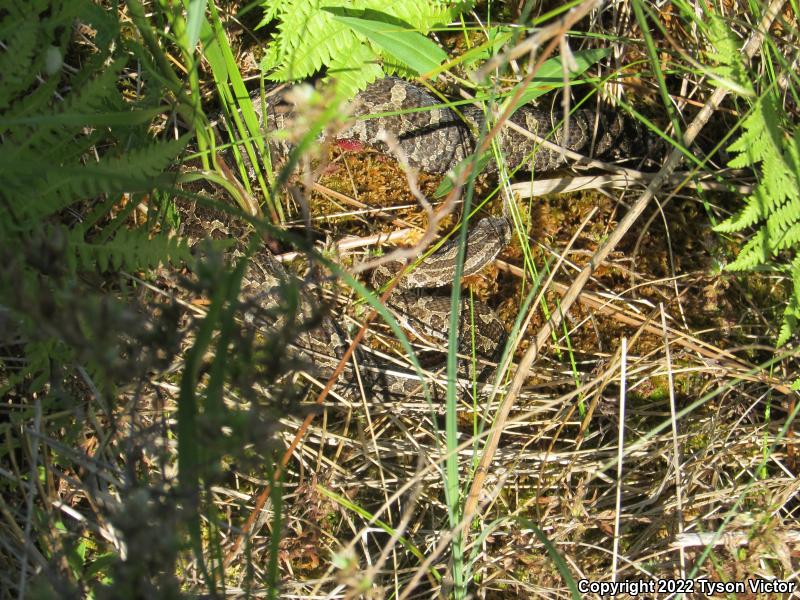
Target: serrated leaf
754,253
356,72
271,11
789,324
745,218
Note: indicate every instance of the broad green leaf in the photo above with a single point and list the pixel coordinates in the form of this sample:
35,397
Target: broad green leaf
396,39
194,21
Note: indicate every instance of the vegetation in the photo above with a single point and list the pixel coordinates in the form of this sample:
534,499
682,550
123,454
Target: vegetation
774,205
159,441
357,42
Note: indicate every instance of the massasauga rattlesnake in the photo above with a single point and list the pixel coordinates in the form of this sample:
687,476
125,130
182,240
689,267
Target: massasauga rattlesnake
433,139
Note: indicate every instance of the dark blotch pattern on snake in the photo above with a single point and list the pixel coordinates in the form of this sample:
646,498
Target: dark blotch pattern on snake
434,138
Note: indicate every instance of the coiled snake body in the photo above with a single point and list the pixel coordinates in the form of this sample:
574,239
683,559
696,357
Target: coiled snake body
434,138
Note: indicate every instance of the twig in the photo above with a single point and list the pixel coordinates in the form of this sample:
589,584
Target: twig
351,242
623,364
568,184
729,539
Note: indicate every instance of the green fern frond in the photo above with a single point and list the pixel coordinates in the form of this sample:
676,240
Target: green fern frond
351,80
18,61
778,179
794,272
748,216
724,54
423,15
760,139
791,314
773,200
53,154
63,185
131,249
791,317
724,46
272,10
780,222
309,37
786,239
754,253
774,206
92,95
42,139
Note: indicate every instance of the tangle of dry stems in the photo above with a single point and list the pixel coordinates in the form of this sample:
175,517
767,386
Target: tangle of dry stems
571,295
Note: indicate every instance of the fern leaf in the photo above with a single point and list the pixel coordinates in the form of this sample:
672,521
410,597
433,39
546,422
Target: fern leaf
774,206
309,38
64,184
92,95
794,273
420,14
788,327
791,314
133,249
782,226
725,52
19,61
760,131
754,253
273,9
134,171
350,80
775,197
779,182
749,215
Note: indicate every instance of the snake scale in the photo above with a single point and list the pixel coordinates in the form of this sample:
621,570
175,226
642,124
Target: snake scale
433,138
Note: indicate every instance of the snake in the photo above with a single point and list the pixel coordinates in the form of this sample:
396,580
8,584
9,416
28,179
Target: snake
433,138
423,314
